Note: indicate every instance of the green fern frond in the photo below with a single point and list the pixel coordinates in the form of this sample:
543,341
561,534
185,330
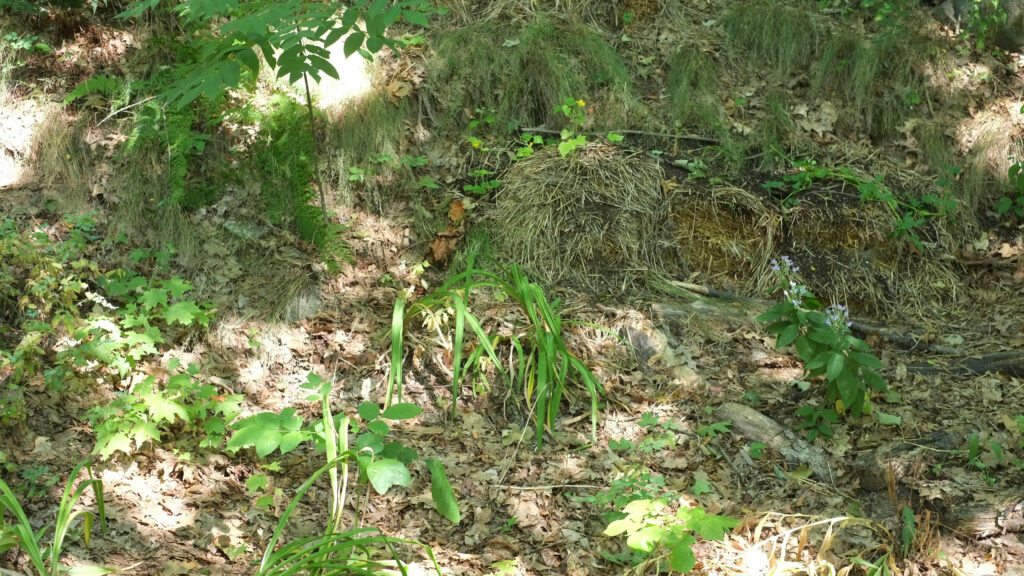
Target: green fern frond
105,85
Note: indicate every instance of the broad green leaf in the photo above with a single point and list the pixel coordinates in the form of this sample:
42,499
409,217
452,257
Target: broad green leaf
621,526
700,487
369,411
290,440
181,312
385,473
113,443
774,313
869,360
711,527
647,538
177,287
163,409
370,441
256,482
403,411
415,18
887,419
378,427
805,348
354,42
153,297
787,336
267,432
874,380
819,361
681,557
143,432
441,490
399,452
835,365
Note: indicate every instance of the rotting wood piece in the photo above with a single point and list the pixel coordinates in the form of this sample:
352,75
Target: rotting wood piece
983,520
1009,362
757,427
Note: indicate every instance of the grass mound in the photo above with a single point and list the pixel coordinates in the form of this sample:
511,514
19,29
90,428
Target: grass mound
845,248
784,37
594,219
523,71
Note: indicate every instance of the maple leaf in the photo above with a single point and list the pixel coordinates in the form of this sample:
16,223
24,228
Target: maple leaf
153,297
181,312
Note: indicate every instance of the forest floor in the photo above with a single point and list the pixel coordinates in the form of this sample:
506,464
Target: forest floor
931,482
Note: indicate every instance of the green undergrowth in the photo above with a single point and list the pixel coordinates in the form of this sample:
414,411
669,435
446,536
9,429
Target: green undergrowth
540,370
367,126
783,37
284,160
523,80
872,73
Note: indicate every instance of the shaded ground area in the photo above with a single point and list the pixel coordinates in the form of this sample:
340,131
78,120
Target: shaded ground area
876,169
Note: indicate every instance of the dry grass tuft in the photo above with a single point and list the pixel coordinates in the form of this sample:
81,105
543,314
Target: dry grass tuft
845,248
594,219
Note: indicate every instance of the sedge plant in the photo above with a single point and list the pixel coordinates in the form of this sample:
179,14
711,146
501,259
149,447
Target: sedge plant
44,558
540,367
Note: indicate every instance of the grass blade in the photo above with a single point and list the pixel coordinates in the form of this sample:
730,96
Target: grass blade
397,326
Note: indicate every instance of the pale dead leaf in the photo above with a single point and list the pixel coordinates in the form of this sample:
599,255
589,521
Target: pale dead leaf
457,211
398,89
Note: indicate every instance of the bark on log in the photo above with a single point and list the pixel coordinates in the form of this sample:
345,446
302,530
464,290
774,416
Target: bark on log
757,427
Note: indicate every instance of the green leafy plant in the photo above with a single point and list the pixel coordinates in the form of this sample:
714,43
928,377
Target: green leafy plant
714,429
576,112
530,143
816,420
823,341
541,366
105,87
636,483
381,463
651,528
337,550
482,184
44,558
147,410
1013,202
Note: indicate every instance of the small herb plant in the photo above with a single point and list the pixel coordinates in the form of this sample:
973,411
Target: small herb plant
529,145
823,341
1013,203
660,435
142,413
816,420
576,112
482,182
540,366
650,527
380,463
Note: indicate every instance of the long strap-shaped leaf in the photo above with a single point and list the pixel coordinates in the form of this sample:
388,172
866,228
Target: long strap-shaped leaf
397,327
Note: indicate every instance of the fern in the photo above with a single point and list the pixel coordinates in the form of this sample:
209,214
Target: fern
284,157
172,132
106,85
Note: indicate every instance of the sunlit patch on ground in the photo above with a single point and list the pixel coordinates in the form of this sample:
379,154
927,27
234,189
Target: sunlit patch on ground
18,120
354,79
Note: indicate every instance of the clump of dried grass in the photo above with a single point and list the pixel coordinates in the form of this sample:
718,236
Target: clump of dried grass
595,219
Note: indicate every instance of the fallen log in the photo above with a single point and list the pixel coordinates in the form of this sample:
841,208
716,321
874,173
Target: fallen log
757,427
